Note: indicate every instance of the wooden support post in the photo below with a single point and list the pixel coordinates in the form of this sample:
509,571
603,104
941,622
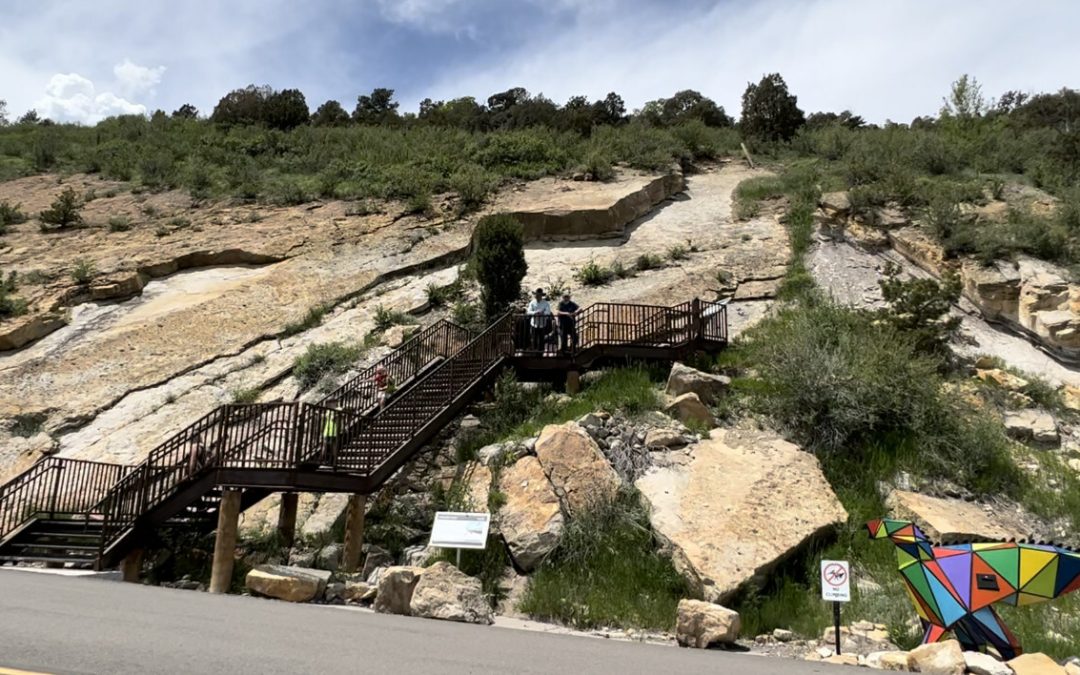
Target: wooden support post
746,152
354,534
132,566
573,382
286,522
225,541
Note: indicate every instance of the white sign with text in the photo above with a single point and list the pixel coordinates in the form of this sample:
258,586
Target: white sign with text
836,580
460,530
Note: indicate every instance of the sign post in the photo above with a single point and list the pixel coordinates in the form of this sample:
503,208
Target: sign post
836,588
457,530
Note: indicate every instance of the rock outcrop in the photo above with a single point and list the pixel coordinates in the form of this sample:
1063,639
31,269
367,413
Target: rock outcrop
984,664
689,409
744,502
941,658
575,466
703,624
1037,426
294,584
395,589
683,380
946,519
445,592
531,520
1035,663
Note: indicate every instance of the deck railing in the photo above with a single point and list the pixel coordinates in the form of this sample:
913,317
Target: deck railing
436,367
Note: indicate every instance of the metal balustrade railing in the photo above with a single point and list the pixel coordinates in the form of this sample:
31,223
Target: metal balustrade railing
435,368
56,488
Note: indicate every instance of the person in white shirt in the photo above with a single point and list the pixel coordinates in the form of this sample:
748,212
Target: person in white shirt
539,313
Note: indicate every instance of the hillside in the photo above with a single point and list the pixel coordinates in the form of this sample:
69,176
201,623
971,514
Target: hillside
902,304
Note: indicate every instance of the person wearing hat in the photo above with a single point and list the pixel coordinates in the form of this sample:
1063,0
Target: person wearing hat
539,313
567,311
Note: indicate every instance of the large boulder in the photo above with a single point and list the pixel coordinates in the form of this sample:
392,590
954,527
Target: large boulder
294,584
939,658
702,624
895,661
531,520
445,592
684,379
395,589
1002,379
1032,425
689,409
577,469
328,510
948,519
743,502
663,438
477,486
1036,663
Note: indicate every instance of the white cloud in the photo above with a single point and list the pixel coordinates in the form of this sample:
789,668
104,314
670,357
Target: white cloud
73,98
133,79
882,60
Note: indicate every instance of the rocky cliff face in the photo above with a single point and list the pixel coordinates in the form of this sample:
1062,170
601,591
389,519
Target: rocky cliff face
193,302
1030,296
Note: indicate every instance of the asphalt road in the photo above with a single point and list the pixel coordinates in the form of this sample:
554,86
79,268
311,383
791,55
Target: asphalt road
82,625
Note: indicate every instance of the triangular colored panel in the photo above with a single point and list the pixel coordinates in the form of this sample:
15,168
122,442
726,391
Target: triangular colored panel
1045,582
948,551
990,545
984,597
933,569
903,558
917,578
1032,561
908,531
1005,562
1026,599
925,554
958,571
1010,600
920,606
950,609
1068,571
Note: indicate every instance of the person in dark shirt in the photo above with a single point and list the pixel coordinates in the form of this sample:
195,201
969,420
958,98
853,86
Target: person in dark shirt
567,311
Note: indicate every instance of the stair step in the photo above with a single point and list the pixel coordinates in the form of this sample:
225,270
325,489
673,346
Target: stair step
55,547
45,559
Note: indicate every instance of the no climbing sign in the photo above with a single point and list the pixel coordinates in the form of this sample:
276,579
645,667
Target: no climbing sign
835,580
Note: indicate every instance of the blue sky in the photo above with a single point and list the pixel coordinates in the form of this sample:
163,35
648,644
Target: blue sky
80,61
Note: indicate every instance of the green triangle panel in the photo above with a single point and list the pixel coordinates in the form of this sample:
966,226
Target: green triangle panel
1005,562
1045,582
917,578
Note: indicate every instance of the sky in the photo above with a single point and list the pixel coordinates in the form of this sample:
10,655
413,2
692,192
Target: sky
80,61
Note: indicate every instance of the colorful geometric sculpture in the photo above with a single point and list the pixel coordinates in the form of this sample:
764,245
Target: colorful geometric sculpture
954,587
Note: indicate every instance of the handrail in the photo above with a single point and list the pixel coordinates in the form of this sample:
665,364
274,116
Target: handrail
439,364
55,486
440,339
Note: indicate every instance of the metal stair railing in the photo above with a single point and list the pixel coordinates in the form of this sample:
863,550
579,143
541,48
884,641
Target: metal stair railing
55,487
380,436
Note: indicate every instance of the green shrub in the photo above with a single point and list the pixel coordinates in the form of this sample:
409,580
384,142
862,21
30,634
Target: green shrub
838,381
472,184
245,395
592,274
64,211
919,309
607,571
499,261
313,318
598,166
441,296
10,215
468,315
618,270
84,271
10,306
319,360
648,261
385,318
419,203
678,252
119,224
26,425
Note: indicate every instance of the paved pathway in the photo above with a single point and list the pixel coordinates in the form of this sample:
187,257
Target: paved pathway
78,625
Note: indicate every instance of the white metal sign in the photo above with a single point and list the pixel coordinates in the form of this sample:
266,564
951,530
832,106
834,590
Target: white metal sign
836,580
460,530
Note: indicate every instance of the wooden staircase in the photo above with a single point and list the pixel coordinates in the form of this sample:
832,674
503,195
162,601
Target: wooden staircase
90,514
